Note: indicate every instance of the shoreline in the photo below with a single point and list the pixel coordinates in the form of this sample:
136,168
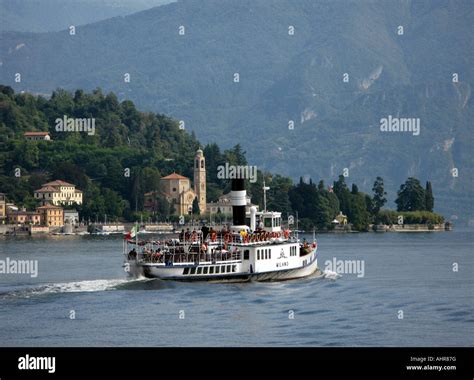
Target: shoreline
15,230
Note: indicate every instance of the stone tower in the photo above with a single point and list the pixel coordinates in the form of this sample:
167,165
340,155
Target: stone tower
200,179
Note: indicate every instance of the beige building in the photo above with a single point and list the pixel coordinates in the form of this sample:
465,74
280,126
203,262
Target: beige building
224,206
24,217
177,188
59,192
3,207
51,215
37,136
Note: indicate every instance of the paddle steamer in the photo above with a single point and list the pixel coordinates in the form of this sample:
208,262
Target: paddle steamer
254,247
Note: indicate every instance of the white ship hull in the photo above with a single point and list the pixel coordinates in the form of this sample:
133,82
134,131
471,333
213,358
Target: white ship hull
276,269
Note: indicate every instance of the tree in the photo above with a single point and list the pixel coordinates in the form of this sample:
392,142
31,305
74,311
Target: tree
378,200
358,214
429,199
343,194
196,209
411,196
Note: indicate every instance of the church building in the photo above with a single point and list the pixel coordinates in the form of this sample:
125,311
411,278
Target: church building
177,188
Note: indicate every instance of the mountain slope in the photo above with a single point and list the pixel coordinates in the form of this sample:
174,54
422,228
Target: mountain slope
287,77
51,15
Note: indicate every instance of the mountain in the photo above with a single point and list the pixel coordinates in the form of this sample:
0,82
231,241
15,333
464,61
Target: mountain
53,15
285,77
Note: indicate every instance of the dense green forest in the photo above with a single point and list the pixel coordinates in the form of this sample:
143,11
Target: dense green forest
131,150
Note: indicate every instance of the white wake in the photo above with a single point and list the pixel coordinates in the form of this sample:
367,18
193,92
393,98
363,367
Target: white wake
70,287
329,274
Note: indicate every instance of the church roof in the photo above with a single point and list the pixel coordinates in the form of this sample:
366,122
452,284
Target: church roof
174,176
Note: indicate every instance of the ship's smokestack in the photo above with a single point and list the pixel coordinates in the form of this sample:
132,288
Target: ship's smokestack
238,199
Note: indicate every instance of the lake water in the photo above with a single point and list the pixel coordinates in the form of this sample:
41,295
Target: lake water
409,295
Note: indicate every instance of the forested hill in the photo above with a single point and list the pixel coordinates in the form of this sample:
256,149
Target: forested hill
115,154
123,158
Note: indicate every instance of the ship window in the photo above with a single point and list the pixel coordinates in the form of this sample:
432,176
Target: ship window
186,271
199,271
205,270
211,270
267,222
258,254
228,269
193,270
234,268
217,269
223,269
246,254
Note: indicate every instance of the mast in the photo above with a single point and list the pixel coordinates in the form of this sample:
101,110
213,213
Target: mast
265,189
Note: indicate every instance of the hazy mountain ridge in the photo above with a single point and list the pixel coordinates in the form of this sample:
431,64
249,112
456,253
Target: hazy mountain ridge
284,78
53,15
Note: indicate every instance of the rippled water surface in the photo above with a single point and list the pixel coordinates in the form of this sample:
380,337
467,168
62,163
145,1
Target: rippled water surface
405,275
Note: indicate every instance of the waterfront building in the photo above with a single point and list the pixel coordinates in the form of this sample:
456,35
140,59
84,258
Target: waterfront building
51,215
224,205
24,217
71,217
59,192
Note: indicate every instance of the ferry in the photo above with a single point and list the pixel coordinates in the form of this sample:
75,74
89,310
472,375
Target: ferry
254,248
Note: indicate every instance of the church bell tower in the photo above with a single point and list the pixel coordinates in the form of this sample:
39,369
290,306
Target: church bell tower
200,179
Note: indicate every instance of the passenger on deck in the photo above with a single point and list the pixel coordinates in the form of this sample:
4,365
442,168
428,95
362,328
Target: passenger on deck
132,254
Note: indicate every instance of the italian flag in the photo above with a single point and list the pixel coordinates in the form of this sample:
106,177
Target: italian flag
132,233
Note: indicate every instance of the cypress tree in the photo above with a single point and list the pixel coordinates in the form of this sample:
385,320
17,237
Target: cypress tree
429,199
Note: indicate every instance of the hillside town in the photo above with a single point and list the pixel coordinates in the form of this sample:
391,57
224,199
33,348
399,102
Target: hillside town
55,212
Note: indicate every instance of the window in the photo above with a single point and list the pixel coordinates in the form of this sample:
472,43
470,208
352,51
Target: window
174,188
193,270
218,269
267,222
246,254
223,269
234,268
199,271
205,270
258,254
211,270
228,268
186,271
202,164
